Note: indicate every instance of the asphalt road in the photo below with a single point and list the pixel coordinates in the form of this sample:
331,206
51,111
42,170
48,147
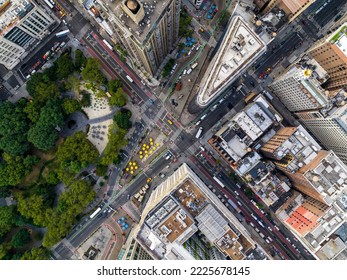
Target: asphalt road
87,226
278,49
247,208
328,12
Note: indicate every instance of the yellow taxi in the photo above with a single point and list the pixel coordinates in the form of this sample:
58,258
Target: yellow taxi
169,121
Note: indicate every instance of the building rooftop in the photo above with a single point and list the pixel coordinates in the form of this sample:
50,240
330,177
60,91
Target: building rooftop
327,174
180,207
240,46
152,11
254,120
332,249
11,11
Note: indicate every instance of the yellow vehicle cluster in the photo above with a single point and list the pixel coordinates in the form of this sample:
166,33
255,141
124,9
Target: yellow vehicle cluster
131,167
148,149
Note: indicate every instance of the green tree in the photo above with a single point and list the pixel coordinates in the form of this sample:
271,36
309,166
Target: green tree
14,169
64,66
13,129
71,105
32,110
51,114
184,26
39,253
122,118
21,238
33,208
86,99
118,98
41,88
74,83
4,250
76,150
114,85
42,136
7,219
101,170
52,177
92,72
80,59
116,141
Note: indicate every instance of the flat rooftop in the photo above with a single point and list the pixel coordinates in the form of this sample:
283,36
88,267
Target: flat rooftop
11,11
240,47
153,10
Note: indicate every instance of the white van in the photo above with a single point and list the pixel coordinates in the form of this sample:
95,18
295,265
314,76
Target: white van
198,134
185,71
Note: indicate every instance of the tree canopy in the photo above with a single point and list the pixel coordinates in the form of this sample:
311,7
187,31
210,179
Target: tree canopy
13,129
80,59
76,152
118,98
43,134
71,105
39,253
114,85
7,219
92,73
41,88
184,26
32,110
116,141
122,118
64,66
14,169
21,238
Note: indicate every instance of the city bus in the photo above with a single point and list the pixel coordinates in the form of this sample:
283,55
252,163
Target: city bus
130,79
107,44
62,33
218,181
95,213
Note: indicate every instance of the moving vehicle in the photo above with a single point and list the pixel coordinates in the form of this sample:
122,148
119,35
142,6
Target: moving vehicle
218,181
194,65
129,79
203,117
108,44
161,175
169,121
95,213
199,133
168,155
62,33
238,210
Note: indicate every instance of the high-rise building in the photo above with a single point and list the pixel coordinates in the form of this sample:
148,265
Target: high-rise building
330,129
22,24
134,251
299,89
183,208
292,8
331,53
317,173
148,31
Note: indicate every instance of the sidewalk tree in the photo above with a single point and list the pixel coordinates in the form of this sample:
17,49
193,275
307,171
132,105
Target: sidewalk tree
116,140
101,170
184,26
92,72
114,85
41,88
80,60
118,98
13,129
63,66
